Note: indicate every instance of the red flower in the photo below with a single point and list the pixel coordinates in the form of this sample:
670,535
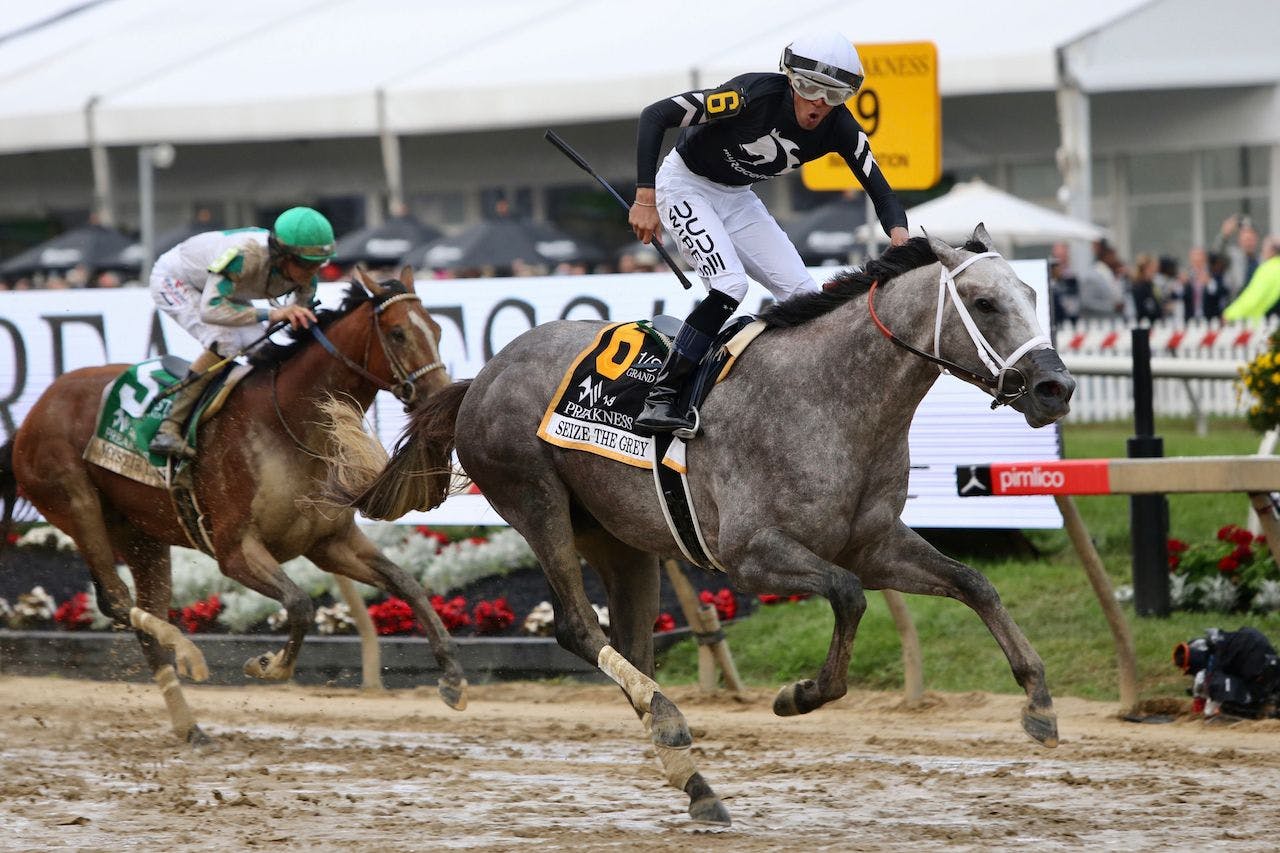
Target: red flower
1241,537
452,613
1228,564
393,616
12,538
1174,560
799,596
440,538
1177,546
768,598
202,615
73,614
726,605
1242,553
1228,532
664,622
493,617
477,540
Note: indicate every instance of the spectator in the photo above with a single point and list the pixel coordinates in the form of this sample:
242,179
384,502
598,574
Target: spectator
1064,287
1203,293
1100,294
1262,295
1242,257
1169,287
1147,301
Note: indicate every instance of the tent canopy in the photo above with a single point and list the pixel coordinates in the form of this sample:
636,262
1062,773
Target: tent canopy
1008,219
150,71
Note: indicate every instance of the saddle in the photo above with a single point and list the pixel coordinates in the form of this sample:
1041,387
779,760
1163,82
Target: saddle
133,407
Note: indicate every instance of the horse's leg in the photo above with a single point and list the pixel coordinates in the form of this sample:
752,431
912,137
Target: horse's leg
633,581
149,561
774,562
354,556
250,563
907,563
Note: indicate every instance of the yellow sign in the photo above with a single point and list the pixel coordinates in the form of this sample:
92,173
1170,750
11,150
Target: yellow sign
899,108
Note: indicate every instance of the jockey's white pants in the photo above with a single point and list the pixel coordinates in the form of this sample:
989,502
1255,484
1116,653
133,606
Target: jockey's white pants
727,235
181,300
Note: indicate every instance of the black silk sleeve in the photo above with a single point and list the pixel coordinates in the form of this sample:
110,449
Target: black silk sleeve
855,148
689,108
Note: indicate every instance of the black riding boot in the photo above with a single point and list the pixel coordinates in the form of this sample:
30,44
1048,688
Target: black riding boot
169,440
662,412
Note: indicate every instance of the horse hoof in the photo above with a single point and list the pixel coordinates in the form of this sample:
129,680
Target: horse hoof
201,742
790,700
668,727
454,695
1042,726
704,805
266,667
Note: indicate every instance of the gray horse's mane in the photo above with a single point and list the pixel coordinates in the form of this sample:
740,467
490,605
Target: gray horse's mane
895,261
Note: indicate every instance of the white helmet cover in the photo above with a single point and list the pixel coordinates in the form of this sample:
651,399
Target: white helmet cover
828,58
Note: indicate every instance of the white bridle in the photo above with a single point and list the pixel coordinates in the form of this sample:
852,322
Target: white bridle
998,366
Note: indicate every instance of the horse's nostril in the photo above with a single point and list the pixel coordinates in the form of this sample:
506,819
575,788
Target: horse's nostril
1051,389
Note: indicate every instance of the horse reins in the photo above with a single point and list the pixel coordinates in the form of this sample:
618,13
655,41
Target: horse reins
404,390
1001,368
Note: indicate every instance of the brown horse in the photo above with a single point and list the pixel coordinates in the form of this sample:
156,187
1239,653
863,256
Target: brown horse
258,460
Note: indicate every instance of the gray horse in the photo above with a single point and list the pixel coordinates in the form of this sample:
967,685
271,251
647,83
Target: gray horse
799,475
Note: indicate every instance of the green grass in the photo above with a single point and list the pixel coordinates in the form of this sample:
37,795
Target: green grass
1048,596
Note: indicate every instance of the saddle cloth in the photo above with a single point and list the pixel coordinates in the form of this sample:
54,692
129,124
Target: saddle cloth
131,412
595,407
602,392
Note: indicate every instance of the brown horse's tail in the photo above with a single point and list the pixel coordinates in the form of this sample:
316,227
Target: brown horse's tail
8,490
419,475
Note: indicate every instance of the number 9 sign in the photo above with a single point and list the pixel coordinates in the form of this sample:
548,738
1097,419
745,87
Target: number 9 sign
900,111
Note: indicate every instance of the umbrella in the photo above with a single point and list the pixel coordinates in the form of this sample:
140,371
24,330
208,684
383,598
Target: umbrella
95,246
129,259
383,245
827,232
1008,219
502,243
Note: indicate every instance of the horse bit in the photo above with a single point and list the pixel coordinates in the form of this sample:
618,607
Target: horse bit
1001,368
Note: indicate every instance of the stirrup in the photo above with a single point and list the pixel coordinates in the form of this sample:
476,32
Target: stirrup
689,433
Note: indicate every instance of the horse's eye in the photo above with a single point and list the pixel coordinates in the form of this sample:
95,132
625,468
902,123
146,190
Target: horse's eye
984,305
398,335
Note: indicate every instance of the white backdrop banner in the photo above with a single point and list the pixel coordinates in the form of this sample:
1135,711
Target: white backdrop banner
44,334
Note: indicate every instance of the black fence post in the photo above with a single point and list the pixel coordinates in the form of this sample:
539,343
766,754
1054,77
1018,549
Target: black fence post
1148,514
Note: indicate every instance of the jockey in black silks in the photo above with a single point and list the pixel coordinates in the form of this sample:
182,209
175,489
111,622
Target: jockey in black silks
754,127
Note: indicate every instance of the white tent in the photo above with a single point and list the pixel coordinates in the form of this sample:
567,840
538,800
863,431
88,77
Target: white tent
1010,220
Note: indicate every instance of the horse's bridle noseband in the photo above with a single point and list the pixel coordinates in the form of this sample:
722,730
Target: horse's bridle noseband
404,389
1001,368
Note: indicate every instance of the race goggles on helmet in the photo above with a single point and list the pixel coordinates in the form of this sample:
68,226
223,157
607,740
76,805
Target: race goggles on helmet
811,89
813,78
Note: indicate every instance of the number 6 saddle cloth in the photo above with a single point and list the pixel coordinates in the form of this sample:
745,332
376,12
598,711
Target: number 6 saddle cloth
603,391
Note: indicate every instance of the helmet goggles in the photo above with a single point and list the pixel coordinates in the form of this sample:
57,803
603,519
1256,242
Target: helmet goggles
812,90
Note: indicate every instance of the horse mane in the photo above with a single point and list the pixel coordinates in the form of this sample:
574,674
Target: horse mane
272,354
851,283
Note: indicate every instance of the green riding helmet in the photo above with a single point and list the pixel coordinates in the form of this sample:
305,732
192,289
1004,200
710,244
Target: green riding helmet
304,233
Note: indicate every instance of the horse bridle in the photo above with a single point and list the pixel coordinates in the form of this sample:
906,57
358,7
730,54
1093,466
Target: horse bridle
1001,368
404,390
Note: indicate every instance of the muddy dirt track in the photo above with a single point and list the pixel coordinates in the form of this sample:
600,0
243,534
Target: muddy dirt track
94,766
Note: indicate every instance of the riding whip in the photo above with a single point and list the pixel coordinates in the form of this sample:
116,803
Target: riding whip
554,138
191,377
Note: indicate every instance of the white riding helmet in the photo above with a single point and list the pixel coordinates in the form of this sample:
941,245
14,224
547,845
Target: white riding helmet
824,61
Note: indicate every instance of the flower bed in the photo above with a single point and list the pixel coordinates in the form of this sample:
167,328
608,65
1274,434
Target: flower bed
491,585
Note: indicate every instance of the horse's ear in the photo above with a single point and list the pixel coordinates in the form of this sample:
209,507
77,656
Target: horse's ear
366,281
980,234
950,257
406,277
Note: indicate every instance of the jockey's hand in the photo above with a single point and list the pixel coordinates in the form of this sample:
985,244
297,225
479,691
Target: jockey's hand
898,235
297,316
644,216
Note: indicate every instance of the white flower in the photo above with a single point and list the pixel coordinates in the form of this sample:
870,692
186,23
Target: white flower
1182,595
1219,594
335,620
47,536
5,610
243,608
541,621
1124,593
34,606
279,620
1268,597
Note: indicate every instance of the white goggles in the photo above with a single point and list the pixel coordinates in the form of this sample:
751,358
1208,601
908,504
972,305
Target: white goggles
812,90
